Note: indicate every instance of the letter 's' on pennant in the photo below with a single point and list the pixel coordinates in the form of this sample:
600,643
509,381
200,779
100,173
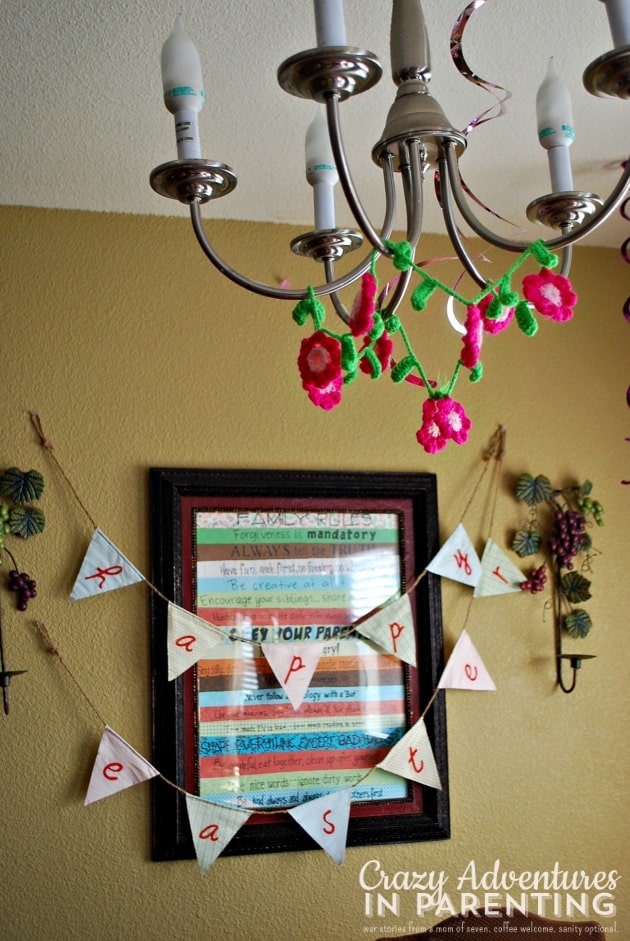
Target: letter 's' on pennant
212,827
293,666
498,573
457,559
412,757
117,765
189,639
326,821
465,669
103,568
392,628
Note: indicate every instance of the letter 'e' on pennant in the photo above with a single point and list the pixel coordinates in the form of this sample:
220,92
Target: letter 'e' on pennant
465,669
103,568
212,827
392,629
189,639
498,573
457,559
117,766
412,757
293,665
326,821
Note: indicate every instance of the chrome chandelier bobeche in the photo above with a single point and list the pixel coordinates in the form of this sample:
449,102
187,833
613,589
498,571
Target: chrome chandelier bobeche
417,137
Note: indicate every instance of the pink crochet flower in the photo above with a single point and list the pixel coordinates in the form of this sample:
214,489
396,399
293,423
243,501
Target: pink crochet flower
319,361
551,294
443,420
362,313
499,323
383,349
327,397
471,348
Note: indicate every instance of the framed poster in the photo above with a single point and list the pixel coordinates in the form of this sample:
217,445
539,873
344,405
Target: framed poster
294,558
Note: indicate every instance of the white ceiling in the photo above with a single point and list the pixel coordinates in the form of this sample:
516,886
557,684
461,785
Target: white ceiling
83,120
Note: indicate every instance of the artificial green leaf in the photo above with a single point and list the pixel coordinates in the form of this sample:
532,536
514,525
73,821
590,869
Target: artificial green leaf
402,369
533,490
575,587
586,488
526,542
348,353
578,623
585,542
26,521
21,486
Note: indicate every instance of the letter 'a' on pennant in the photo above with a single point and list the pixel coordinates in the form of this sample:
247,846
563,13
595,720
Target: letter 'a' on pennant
326,821
465,669
392,629
457,559
189,639
212,827
293,665
498,573
117,766
412,757
103,568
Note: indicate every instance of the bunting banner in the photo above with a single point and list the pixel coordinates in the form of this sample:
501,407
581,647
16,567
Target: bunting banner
412,758
189,639
457,559
392,628
117,765
293,666
212,827
326,821
465,669
103,568
498,573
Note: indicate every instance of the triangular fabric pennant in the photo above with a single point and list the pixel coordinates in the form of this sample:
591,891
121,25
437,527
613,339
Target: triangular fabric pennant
103,568
392,629
498,573
117,765
212,827
293,665
465,669
457,559
189,639
412,757
326,820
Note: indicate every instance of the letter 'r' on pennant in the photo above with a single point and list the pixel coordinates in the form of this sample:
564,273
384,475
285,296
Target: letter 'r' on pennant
189,639
117,766
457,559
498,573
465,669
326,821
212,827
412,757
392,629
293,666
103,568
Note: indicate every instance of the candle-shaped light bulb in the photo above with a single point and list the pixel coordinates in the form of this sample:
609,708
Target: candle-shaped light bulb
618,12
183,89
321,171
555,128
330,25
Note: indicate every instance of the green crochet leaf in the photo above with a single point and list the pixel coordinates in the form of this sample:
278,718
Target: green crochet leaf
348,353
26,521
575,587
578,623
533,490
402,369
375,365
21,486
526,542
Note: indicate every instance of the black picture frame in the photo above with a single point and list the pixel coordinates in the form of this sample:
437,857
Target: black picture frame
424,814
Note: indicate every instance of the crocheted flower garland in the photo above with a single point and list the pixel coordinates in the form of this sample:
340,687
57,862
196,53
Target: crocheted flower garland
327,360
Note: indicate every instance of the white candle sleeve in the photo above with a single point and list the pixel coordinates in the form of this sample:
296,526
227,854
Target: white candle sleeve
330,26
618,12
321,171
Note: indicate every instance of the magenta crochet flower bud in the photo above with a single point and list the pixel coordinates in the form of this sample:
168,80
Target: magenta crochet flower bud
362,313
496,324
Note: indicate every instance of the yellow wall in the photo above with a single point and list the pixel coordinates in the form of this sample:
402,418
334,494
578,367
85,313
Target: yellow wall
136,353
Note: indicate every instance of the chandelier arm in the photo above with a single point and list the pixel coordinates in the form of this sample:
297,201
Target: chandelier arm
411,172
566,254
451,223
578,232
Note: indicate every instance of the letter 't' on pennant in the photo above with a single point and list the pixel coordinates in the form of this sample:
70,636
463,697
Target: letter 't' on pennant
326,820
117,765
457,559
189,639
103,568
498,573
465,669
212,827
392,629
412,757
293,665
